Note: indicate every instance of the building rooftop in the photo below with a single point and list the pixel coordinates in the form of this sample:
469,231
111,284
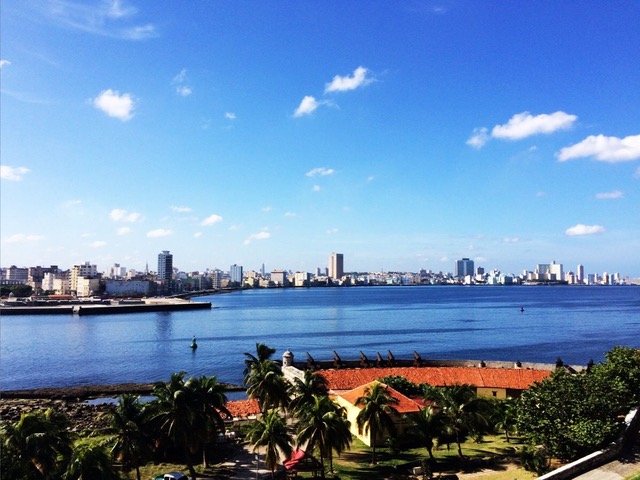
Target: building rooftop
508,378
404,405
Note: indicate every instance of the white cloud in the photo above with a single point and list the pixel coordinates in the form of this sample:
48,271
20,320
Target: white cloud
14,174
21,237
523,125
115,105
511,240
581,229
197,235
4,63
478,138
120,215
183,90
180,209
266,209
316,188
609,195
290,214
257,236
306,107
181,77
159,233
211,220
603,148
320,171
370,178
230,115
98,244
106,19
71,203
332,231
123,230
346,83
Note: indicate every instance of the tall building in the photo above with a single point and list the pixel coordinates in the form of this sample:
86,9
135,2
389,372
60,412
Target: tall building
82,271
336,265
165,267
580,274
235,272
463,268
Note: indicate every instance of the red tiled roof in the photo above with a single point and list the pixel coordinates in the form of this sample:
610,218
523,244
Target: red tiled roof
404,405
243,408
509,378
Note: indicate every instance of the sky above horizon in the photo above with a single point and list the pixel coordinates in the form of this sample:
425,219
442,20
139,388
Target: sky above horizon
404,135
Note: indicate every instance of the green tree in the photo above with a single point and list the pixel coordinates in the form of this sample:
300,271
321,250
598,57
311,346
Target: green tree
323,424
263,379
90,462
22,291
504,416
622,363
571,415
302,391
427,425
402,385
41,441
210,403
461,412
376,414
271,433
131,444
188,413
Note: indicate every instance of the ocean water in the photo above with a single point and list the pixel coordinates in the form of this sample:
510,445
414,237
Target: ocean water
478,323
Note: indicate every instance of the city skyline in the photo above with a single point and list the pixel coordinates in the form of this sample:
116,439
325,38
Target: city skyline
405,136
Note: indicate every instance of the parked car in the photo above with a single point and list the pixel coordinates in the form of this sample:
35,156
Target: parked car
172,476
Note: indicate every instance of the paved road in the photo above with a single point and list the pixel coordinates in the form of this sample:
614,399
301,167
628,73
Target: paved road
618,469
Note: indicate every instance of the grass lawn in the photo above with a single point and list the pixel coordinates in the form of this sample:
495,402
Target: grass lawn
493,459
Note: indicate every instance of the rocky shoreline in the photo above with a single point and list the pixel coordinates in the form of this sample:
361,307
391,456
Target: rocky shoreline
71,401
84,417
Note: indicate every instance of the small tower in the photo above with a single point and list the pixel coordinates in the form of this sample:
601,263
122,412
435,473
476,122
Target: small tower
287,359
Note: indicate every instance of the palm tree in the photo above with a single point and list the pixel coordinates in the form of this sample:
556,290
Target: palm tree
271,433
323,423
303,390
376,413
504,416
130,442
263,379
41,440
462,412
427,424
189,413
210,403
90,462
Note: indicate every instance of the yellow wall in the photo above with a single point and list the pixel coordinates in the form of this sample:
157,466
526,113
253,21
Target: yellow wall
500,393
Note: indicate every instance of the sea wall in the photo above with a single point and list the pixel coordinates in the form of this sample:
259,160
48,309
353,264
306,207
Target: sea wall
107,309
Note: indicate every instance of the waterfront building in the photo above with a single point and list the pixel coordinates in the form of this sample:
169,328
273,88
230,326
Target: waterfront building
235,272
165,270
279,278
549,272
580,274
87,286
336,266
463,267
85,270
301,279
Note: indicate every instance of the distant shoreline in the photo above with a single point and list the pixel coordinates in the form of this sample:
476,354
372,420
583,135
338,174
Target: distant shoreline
85,392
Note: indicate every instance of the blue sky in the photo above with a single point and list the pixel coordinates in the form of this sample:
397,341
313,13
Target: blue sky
405,135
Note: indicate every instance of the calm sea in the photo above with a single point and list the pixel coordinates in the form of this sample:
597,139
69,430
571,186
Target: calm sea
479,323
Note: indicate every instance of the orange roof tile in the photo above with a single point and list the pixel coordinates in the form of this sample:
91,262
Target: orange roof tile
243,408
404,405
509,378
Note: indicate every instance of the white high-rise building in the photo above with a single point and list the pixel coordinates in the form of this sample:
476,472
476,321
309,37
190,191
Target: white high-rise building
580,274
336,266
